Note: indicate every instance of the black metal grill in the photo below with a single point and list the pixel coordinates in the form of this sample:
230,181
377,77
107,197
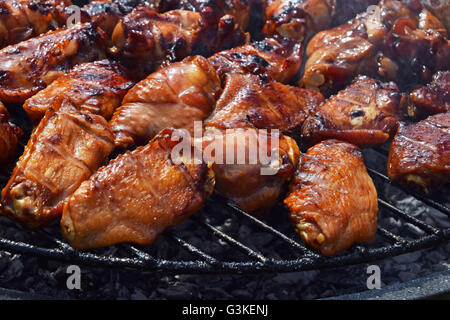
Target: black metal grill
48,243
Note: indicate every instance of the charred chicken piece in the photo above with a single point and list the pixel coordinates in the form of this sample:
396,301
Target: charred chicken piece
252,167
278,58
395,41
23,19
151,38
107,13
347,9
9,137
441,9
30,66
96,87
297,19
238,9
175,96
365,114
67,147
251,102
420,153
434,97
137,196
333,201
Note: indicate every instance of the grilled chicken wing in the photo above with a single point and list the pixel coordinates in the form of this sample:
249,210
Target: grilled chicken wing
441,9
30,66
333,201
96,87
420,153
152,38
67,147
252,167
23,19
365,114
278,58
251,102
434,97
248,104
9,136
297,19
395,41
174,96
136,196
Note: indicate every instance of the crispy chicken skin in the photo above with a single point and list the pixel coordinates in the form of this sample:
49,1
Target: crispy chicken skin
174,96
9,137
136,196
31,65
365,114
23,19
419,156
395,41
154,38
333,201
253,183
434,97
67,147
297,19
278,58
248,101
96,87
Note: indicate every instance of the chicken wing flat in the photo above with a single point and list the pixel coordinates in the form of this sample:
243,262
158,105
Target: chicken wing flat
252,167
365,114
136,196
9,137
278,58
175,96
95,87
251,102
420,153
31,65
333,201
23,19
434,97
297,19
396,40
153,38
67,147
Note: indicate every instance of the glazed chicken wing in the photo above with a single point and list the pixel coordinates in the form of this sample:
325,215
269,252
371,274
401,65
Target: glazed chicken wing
251,102
420,153
153,38
96,87
67,147
333,201
30,66
137,196
434,97
397,40
278,58
297,19
441,9
175,96
365,114
252,167
23,19
9,137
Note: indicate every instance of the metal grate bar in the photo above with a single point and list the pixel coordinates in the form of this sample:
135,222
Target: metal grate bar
392,237
235,243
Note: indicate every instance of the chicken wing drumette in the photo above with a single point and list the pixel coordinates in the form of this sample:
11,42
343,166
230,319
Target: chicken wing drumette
333,201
